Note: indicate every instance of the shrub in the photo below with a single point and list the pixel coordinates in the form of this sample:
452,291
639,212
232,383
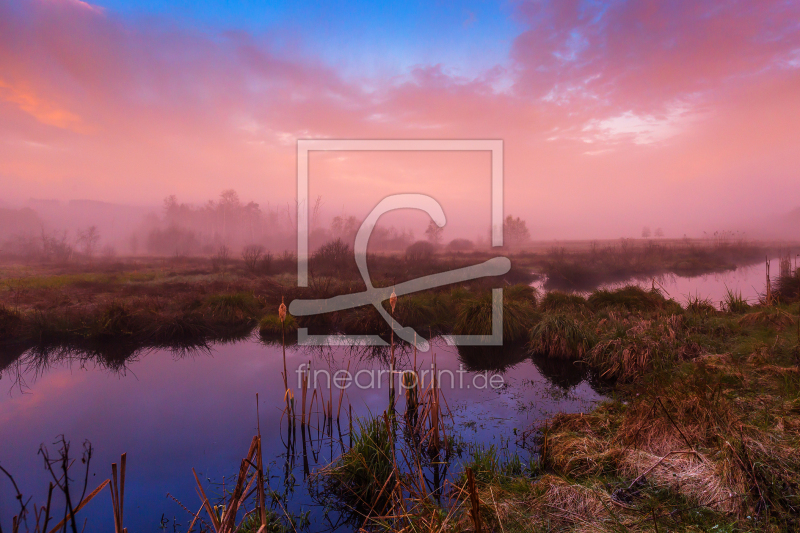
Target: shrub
460,245
251,255
332,256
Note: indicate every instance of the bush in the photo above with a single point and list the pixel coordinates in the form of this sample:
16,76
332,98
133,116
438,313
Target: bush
173,240
251,255
332,256
420,251
460,245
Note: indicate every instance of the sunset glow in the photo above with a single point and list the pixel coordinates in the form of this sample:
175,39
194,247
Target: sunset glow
677,110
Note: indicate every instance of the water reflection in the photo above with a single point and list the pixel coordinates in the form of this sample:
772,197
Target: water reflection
174,410
749,280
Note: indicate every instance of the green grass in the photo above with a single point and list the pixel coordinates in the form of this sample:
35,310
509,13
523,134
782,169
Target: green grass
733,302
360,474
270,326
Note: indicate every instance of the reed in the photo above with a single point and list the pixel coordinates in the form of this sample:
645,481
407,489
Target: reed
58,468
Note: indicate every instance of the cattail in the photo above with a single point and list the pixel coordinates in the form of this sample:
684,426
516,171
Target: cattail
282,311
393,300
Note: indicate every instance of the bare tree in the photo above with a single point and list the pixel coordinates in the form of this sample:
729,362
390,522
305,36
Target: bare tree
433,233
251,255
219,261
659,233
55,247
88,239
646,232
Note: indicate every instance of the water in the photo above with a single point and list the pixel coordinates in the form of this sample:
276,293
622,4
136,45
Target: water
172,413
749,280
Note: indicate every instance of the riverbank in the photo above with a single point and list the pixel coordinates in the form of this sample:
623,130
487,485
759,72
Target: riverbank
702,436
152,302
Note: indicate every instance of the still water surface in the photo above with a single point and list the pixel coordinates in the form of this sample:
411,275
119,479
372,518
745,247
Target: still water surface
171,413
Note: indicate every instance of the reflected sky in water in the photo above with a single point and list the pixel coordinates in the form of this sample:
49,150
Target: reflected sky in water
171,413
749,280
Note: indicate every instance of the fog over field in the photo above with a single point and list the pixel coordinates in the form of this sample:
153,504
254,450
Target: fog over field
682,121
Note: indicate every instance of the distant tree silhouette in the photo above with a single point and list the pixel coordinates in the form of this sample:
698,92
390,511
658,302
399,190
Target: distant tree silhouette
433,233
515,231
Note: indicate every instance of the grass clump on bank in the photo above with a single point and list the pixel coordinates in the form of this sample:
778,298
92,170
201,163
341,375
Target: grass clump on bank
560,336
563,301
270,326
474,316
631,298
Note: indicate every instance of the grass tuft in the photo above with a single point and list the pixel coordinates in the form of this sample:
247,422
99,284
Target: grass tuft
560,336
360,475
474,315
632,298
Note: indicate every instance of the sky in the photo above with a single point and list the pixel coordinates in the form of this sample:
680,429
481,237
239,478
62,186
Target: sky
614,115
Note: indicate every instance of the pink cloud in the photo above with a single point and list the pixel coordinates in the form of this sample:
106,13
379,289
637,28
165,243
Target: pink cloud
624,105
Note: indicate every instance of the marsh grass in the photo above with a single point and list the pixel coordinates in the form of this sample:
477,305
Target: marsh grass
632,347
555,301
733,302
701,306
561,336
631,298
474,316
361,475
270,326
238,307
787,287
